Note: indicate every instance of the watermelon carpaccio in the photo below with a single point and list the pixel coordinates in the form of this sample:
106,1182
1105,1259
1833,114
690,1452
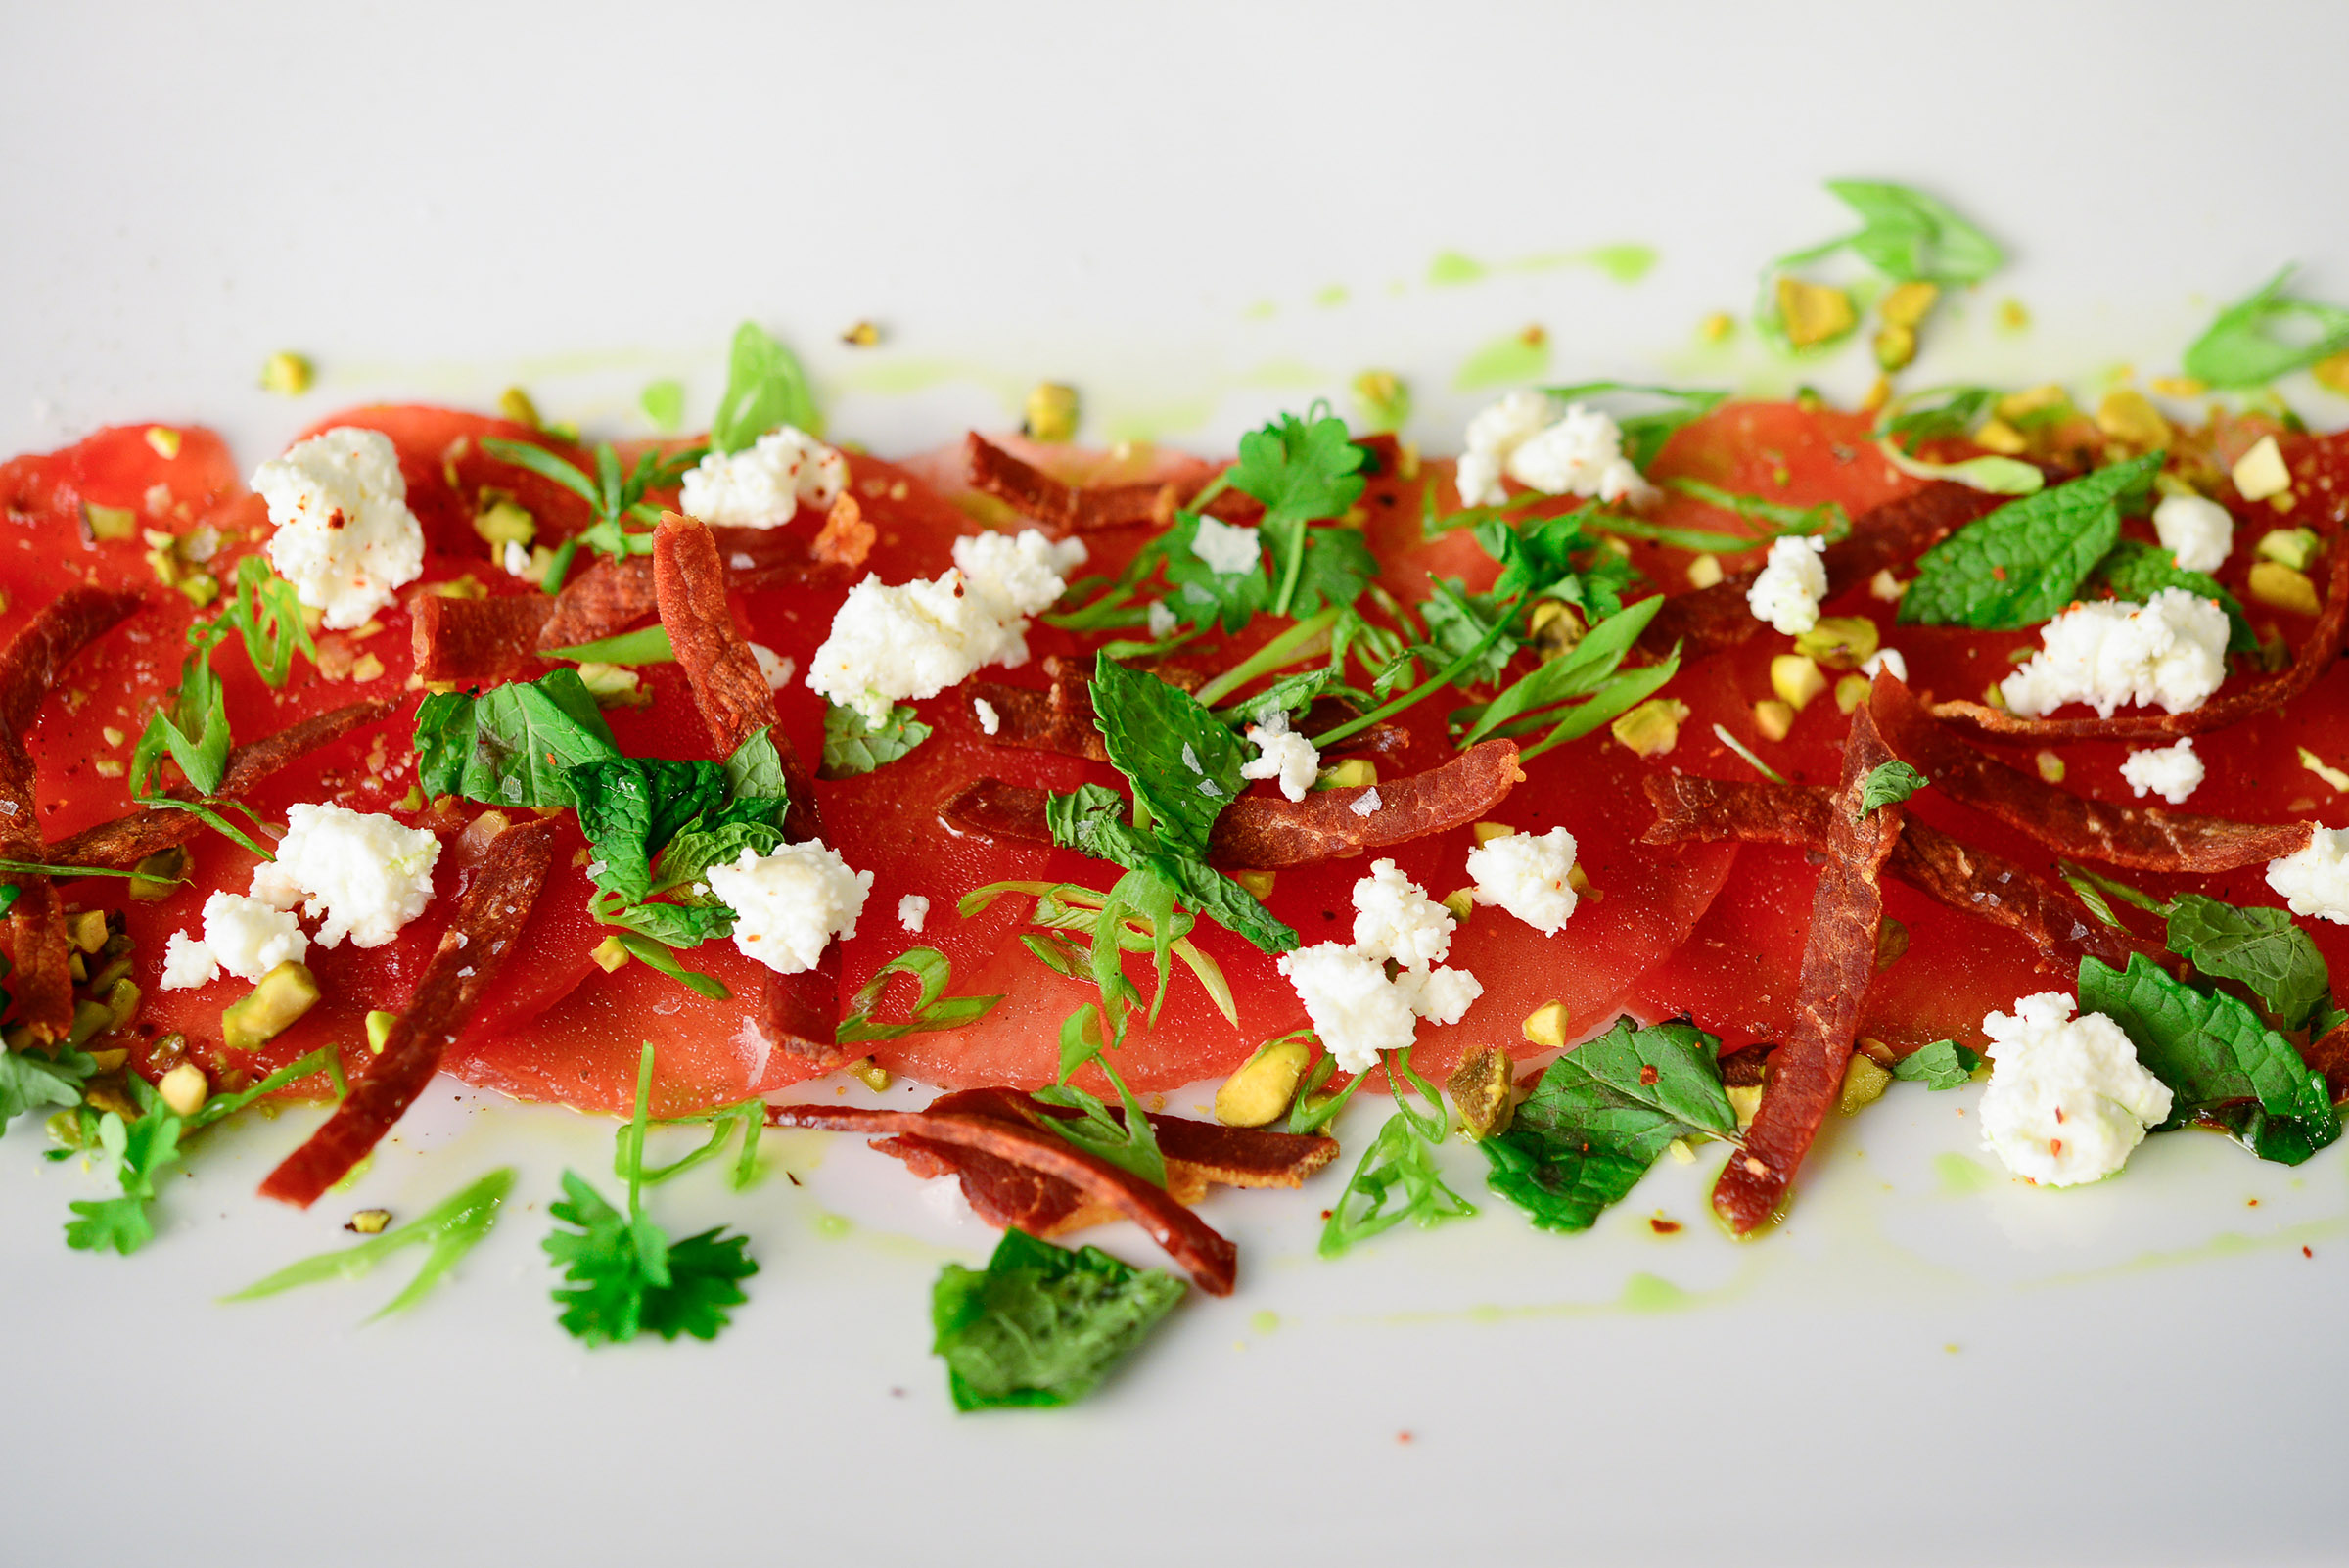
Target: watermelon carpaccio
1709,931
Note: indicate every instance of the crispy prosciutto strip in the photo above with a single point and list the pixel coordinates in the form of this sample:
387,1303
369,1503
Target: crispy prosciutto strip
1075,508
127,840
1209,1256
464,640
1197,1154
40,978
490,917
2330,1053
1711,619
2312,659
1265,832
1840,959
2143,838
1973,881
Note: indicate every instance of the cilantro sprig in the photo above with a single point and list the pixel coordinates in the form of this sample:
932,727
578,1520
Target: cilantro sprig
615,495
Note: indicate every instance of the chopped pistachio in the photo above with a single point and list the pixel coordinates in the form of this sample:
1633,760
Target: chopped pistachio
1813,313
1384,399
1716,327
2292,547
500,519
1991,697
287,373
200,587
1879,393
608,955
2260,473
276,1000
466,587
158,877
2012,315
2050,765
1052,412
1863,1083
871,1073
1851,691
863,335
1892,940
1682,1153
1351,774
1258,882
2271,583
2331,775
1257,1094
379,1030
111,1061
163,442
1704,571
369,1221
90,1020
2332,373
110,522
1905,304
1484,1091
1461,902
367,666
1580,881
515,406
1545,1025
2178,385
1840,642
1997,436
1796,680
1885,586
77,966
86,929
184,1089
107,766
1895,348
1486,832
1555,627
1773,719
1745,1099
1652,728
2127,415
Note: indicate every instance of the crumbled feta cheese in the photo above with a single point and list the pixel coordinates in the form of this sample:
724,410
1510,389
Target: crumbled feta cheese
2197,531
188,963
2067,1099
788,905
1579,452
1355,1010
2172,773
1528,875
1791,583
1395,918
1366,802
363,872
345,536
1226,548
1282,753
990,720
1160,620
1439,995
2171,650
1885,659
912,910
915,639
762,485
2260,473
777,670
516,559
243,935
2315,880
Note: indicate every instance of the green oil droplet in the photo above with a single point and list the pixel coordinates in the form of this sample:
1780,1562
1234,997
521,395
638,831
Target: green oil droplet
1625,264
1503,361
1959,1174
1651,1293
1261,311
832,1226
1334,295
1450,267
1264,1322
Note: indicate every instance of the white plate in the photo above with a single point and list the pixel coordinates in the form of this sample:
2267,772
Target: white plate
437,201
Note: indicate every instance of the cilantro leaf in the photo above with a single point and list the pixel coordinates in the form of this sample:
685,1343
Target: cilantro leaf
1301,471
2261,947
1461,625
1601,1114
1889,784
705,1275
2024,562
2136,570
448,1231
765,387
513,745
933,1008
1336,567
1198,594
1291,694
2244,347
1943,1065
1041,1325
2211,1050
852,747
135,1153
1182,761
33,1078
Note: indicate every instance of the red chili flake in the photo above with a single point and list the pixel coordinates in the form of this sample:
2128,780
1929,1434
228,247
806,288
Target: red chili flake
2060,1122
2252,1203
1663,1226
1999,572
1648,1075
2054,1145
1403,1436
2306,1253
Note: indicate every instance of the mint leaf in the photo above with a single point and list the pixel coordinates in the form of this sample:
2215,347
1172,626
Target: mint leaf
31,1078
692,853
852,747
1041,1325
2024,562
1092,822
2247,344
1943,1065
1911,237
2261,947
1182,761
1888,784
1601,1114
765,387
630,806
755,771
2209,1048
2136,570
514,745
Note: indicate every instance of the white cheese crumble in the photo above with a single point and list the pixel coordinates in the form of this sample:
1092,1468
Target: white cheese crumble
2067,1099
362,873
889,643
788,905
1885,659
2172,773
1366,802
1579,452
764,485
777,670
345,536
1439,995
2171,651
990,720
516,560
1355,1010
912,910
2315,880
1395,918
1528,875
2196,531
1227,548
243,935
1356,1006
1160,620
188,963
1792,582
1282,753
